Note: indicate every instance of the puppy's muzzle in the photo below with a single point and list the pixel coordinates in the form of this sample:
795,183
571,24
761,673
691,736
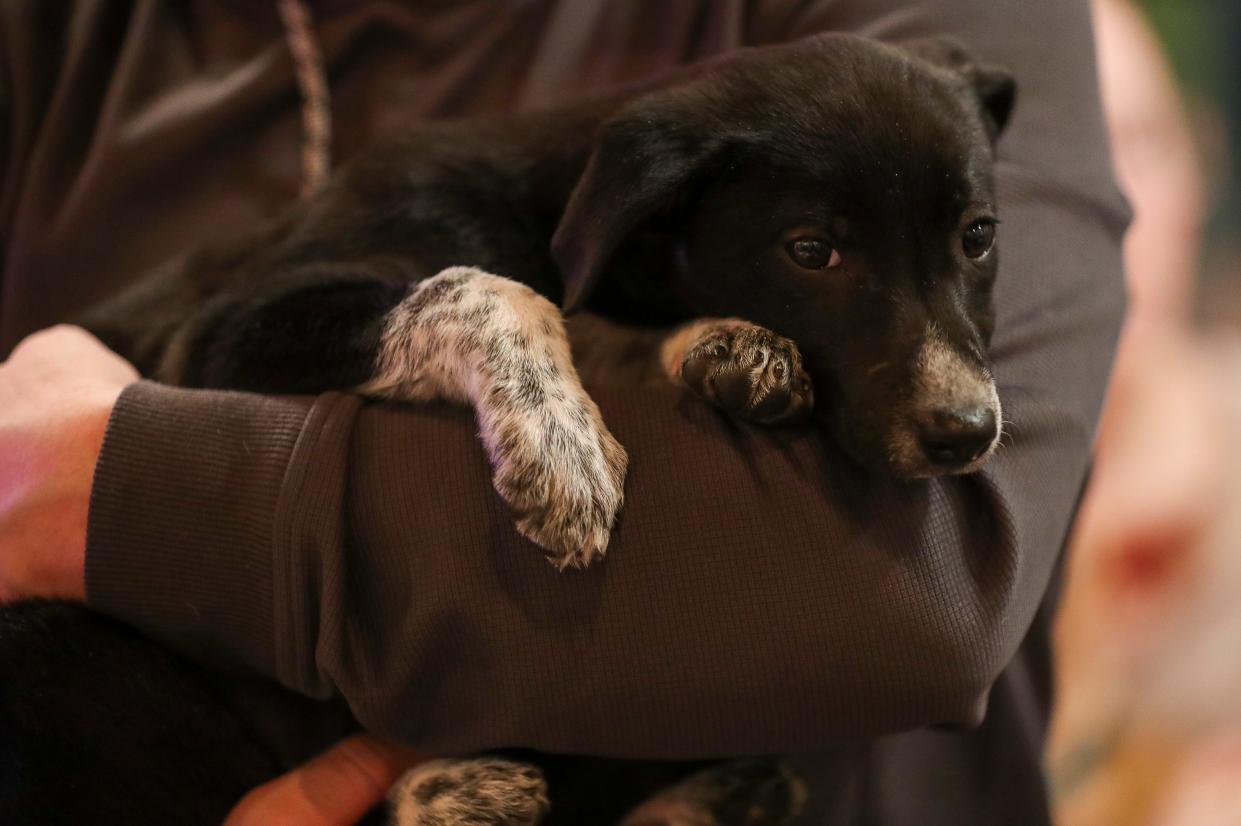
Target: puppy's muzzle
952,424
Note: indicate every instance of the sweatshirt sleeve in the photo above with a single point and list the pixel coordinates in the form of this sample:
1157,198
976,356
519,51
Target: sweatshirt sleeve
358,550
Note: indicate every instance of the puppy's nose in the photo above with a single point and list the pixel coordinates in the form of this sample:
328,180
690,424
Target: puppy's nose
957,436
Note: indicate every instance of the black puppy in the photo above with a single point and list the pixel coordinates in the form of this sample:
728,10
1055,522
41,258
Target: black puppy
819,215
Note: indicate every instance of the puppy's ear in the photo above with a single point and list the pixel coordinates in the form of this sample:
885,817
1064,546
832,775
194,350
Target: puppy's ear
994,87
642,161
997,90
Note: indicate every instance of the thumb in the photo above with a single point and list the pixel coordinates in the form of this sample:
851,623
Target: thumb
335,788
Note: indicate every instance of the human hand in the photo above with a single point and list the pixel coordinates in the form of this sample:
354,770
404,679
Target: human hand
57,390
333,789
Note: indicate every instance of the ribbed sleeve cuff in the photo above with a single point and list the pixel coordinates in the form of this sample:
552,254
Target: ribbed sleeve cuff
179,537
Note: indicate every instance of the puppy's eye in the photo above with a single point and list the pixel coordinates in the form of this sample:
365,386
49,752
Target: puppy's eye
812,253
978,239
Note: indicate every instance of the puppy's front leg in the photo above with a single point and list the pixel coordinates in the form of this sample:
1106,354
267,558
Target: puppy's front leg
472,336
745,370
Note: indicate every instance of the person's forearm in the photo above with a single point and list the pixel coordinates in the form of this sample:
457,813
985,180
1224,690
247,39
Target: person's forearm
183,512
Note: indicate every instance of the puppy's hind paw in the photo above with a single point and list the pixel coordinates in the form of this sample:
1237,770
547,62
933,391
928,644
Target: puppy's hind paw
472,792
741,793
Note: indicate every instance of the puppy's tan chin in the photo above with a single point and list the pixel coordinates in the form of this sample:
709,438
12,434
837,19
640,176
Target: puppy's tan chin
919,467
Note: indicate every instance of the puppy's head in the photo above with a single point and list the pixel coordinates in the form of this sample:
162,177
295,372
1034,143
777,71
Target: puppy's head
838,191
